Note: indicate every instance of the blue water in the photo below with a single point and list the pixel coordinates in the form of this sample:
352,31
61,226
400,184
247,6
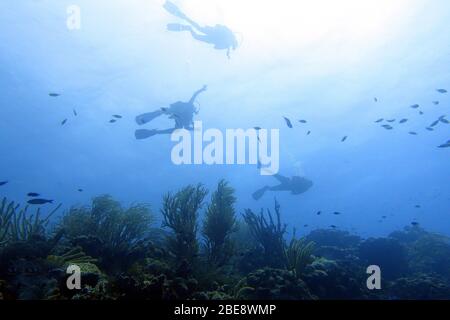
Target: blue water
325,63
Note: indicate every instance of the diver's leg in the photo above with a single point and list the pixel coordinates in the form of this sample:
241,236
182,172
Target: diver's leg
200,37
282,179
147,117
141,134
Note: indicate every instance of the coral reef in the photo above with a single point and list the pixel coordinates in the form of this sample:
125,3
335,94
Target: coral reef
204,251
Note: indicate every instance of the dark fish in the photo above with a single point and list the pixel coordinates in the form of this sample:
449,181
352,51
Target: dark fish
75,112
64,122
387,127
288,122
2,183
375,99
33,194
336,213
412,133
112,121
392,120
257,128
308,133
435,103
306,226
415,106
379,120
417,206
434,123
117,116
39,201
403,120
383,217
80,190
443,120
421,112
302,121
319,213
333,226
441,90
445,145
415,224
429,129
343,139
54,95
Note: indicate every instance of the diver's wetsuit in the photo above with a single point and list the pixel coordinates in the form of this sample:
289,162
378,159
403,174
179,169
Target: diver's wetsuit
296,185
181,112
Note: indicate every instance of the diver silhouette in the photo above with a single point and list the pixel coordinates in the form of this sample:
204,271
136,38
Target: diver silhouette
220,36
181,112
296,185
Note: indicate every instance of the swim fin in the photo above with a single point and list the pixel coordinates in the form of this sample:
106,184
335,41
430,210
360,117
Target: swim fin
173,9
144,134
147,117
259,193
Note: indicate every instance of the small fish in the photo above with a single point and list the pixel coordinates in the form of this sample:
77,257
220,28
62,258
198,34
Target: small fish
80,190
39,201
33,194
391,120
343,139
387,127
319,213
421,113
379,120
64,122
257,128
412,133
417,206
445,145
375,99
2,183
117,116
415,224
443,120
308,133
306,226
415,106
383,217
75,112
54,95
336,213
112,121
333,226
435,123
288,122
441,90
435,103
302,121
429,129
403,120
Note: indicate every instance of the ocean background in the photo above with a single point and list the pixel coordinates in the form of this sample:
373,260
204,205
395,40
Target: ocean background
324,62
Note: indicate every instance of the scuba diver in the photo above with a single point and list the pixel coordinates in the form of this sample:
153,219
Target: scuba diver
296,185
181,112
220,36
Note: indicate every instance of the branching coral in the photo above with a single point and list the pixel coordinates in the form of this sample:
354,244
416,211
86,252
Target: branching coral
17,225
180,214
108,230
220,222
298,255
269,234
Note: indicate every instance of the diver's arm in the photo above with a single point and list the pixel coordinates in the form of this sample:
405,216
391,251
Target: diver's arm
197,93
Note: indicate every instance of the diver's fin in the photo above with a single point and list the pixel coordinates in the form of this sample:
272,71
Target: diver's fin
144,134
259,193
177,27
147,117
173,9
